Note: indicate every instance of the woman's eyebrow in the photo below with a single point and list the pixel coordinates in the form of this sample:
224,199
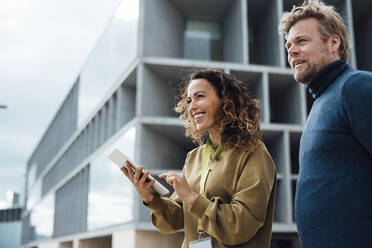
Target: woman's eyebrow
197,92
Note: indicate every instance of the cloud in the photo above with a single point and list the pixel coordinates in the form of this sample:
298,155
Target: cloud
43,46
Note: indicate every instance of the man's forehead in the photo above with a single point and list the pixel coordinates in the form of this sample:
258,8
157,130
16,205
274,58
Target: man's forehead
303,27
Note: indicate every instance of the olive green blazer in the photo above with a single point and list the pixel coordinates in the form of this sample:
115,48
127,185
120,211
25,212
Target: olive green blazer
238,207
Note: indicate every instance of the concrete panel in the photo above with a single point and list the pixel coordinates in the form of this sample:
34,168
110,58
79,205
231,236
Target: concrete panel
126,104
158,151
124,239
263,35
140,239
99,242
66,245
206,10
159,94
162,33
362,33
285,99
49,245
232,33
254,82
274,141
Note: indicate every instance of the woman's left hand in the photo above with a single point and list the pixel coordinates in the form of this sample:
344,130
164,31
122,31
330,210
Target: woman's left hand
181,186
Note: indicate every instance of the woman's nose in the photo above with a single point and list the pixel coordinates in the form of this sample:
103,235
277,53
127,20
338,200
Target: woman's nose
192,105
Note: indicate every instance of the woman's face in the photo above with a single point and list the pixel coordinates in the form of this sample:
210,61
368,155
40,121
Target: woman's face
204,105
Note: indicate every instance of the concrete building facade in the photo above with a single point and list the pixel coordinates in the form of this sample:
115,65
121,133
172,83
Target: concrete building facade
123,98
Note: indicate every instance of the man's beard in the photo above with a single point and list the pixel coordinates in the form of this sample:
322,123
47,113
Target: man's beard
307,75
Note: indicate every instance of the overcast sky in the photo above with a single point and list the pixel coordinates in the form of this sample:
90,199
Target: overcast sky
43,46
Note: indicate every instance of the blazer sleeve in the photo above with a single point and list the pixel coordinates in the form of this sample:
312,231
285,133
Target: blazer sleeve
167,213
248,207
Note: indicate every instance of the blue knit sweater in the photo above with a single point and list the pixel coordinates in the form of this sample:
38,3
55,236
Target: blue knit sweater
333,205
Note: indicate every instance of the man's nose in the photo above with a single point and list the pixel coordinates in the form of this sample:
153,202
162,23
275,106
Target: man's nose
292,50
292,53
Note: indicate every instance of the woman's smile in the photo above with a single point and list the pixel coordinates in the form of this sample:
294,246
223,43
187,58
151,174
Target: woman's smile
204,105
198,117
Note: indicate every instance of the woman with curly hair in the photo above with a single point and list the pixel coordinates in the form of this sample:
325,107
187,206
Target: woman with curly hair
226,192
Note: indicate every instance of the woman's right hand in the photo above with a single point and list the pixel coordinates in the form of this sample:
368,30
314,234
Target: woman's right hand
142,187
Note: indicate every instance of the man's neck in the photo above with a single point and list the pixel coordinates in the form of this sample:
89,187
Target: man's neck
326,77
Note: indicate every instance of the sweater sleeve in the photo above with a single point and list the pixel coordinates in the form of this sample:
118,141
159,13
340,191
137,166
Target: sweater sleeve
357,102
167,213
238,221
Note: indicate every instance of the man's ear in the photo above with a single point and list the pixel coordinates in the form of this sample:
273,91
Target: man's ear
334,42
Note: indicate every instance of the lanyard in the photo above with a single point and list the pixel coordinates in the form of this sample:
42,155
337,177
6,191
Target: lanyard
205,170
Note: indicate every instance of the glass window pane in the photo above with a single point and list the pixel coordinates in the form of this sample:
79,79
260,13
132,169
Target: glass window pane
114,52
34,194
110,199
42,218
31,176
203,40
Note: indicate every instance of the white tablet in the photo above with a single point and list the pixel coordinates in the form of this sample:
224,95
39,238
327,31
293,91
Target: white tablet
120,160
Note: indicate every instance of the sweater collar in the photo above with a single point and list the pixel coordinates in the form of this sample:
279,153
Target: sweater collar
326,77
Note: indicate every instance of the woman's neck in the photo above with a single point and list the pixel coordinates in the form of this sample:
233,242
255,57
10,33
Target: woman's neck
215,136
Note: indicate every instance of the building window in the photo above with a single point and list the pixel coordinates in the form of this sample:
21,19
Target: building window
202,40
110,198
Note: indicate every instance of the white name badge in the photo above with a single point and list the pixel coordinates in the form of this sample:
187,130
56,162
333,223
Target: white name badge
201,243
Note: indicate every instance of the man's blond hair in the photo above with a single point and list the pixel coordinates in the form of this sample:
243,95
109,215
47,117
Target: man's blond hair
330,23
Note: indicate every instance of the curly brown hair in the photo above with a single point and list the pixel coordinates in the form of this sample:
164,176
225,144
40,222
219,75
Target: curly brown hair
241,113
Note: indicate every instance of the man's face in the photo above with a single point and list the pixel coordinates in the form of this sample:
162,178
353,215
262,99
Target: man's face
307,52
